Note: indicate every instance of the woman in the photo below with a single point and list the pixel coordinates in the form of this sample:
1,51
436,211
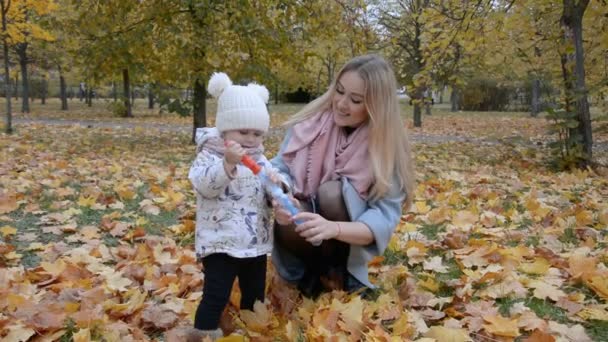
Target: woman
349,160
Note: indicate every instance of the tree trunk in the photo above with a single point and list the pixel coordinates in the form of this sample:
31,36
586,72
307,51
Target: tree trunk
441,95
417,115
89,96
126,92
44,91
535,105
16,87
572,21
150,97
25,86
276,94
455,100
63,92
114,91
7,80
199,107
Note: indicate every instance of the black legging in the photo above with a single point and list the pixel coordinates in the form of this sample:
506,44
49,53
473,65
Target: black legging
327,262
220,271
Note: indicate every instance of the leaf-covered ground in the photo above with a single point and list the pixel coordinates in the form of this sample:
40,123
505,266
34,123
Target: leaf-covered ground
96,233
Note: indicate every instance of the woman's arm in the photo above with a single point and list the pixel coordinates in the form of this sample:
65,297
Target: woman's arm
279,164
316,228
372,228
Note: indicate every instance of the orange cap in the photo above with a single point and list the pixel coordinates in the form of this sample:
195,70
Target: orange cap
251,164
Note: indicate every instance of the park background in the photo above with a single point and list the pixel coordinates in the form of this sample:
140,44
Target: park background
505,103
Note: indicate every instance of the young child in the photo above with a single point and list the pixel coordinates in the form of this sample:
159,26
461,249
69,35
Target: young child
233,227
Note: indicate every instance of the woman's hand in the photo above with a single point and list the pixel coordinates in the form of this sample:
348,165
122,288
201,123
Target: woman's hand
316,228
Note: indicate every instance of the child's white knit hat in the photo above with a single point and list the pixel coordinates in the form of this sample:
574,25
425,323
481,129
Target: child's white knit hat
239,107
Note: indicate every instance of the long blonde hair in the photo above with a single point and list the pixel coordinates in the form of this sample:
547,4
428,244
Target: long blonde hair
389,146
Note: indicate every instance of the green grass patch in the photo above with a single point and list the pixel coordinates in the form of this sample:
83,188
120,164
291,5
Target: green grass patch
547,310
394,257
431,231
569,236
532,241
505,305
157,224
597,330
453,272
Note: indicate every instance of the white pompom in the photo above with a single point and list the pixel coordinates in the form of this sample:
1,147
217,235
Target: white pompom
260,90
217,83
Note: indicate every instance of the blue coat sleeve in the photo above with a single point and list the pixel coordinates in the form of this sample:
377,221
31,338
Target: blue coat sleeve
279,164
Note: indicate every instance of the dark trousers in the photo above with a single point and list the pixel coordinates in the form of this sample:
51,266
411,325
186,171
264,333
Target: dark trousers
325,264
220,271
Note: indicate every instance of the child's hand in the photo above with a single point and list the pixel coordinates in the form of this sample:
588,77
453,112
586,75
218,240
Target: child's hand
281,215
233,154
274,177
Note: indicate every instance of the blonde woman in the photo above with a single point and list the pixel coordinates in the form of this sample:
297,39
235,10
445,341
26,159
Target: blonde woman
348,157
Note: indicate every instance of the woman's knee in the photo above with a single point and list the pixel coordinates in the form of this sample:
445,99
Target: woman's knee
331,202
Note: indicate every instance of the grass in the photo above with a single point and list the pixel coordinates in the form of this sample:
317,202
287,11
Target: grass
431,231
547,310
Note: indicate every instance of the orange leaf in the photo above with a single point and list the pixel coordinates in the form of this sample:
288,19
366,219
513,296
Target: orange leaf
539,336
8,204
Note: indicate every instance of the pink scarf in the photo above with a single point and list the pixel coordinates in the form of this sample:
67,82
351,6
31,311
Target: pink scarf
319,151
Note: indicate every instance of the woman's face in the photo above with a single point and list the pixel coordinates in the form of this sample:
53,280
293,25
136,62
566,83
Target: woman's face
349,100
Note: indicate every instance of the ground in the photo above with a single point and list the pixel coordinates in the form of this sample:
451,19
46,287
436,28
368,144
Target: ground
96,224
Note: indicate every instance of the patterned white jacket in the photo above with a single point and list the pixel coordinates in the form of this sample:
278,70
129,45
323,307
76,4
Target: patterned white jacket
232,215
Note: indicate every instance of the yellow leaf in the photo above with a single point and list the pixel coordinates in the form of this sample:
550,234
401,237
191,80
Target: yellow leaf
124,193
407,227
422,207
429,284
401,326
18,333
603,218
35,246
599,284
8,230
416,244
544,290
117,282
14,301
260,319
232,338
584,217
439,215
464,219
83,335
501,326
444,334
593,313
134,300
54,269
71,307
539,266
86,201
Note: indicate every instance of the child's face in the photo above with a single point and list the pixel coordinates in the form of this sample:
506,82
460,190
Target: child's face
245,137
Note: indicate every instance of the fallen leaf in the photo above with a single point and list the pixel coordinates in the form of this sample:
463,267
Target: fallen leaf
501,326
443,334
